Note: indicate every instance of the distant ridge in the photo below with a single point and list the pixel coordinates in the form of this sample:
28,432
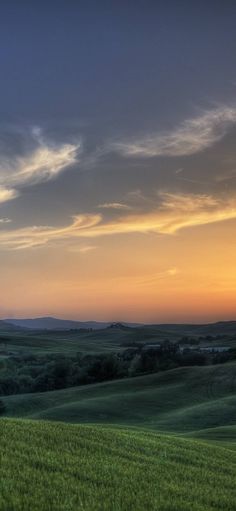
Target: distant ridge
217,328
184,329
50,323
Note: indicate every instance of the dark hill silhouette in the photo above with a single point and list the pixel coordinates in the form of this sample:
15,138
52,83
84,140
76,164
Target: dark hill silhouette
50,323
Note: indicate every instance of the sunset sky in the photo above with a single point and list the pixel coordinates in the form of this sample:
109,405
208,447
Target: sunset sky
118,160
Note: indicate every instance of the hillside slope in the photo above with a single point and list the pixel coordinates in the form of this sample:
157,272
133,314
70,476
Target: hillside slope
69,468
181,400
70,342
8,328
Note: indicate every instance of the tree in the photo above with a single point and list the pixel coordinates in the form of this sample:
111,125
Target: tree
2,407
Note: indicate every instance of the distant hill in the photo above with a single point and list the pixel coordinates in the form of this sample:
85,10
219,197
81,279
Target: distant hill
49,323
156,330
7,327
218,328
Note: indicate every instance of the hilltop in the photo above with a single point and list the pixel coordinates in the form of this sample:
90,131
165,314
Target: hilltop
50,323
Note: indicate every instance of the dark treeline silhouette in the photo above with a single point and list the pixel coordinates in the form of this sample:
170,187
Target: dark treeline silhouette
41,373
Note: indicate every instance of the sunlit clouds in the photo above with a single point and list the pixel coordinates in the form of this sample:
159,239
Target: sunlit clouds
7,194
192,136
115,205
42,164
5,220
124,250
173,213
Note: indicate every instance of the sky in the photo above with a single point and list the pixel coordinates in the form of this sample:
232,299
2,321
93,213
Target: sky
118,160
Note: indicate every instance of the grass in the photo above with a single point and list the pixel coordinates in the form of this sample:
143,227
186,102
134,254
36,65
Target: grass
223,436
183,400
68,343
97,341
160,442
57,467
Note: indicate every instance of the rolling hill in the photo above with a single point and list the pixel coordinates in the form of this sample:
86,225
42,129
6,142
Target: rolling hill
115,338
158,442
95,341
65,467
50,323
7,327
183,400
218,328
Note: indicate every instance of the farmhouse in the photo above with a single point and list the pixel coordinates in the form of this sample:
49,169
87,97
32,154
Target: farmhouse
152,347
214,349
187,347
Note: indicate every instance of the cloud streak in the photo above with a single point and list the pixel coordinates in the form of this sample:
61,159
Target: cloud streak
115,205
5,220
174,212
7,194
190,137
43,164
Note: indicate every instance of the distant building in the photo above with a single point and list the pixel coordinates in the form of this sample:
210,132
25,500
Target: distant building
152,347
188,347
118,325
214,349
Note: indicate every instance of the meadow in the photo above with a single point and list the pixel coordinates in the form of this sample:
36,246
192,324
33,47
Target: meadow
107,340
182,400
164,441
58,467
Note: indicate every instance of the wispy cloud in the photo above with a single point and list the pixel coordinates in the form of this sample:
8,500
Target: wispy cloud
115,205
192,136
7,194
42,164
5,220
226,176
150,279
145,280
84,249
174,212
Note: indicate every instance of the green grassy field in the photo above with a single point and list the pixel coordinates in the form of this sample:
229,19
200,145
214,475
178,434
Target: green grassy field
62,342
58,467
69,342
183,400
158,442
97,341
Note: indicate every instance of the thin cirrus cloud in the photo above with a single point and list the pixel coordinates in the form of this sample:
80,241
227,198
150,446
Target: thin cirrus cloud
84,249
174,212
149,280
192,136
7,194
115,205
227,176
43,164
5,220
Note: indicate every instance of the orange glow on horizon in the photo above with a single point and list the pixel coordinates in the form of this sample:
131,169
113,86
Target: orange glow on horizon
148,278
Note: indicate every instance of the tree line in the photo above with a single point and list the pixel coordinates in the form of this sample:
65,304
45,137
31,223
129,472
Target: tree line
40,373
